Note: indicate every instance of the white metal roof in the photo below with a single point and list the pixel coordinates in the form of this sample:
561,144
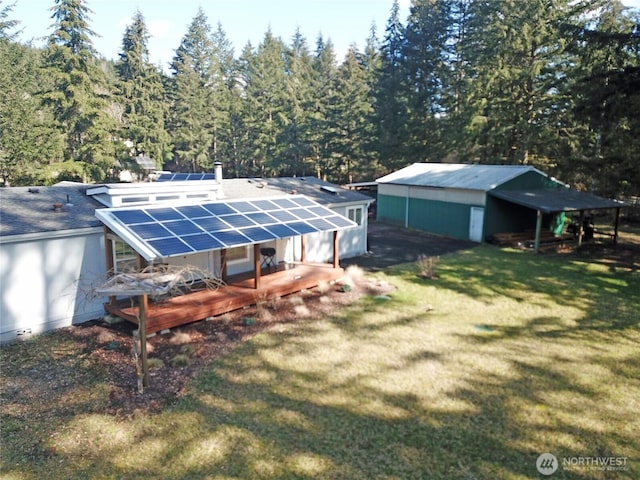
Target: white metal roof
124,194
455,175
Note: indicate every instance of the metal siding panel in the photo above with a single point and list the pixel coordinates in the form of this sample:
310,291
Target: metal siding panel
442,218
391,209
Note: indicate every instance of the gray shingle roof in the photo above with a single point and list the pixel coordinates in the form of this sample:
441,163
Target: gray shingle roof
325,193
30,209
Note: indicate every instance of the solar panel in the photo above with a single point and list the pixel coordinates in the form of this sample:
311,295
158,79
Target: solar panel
302,228
182,227
265,205
231,238
258,234
166,214
283,216
129,217
170,246
244,207
321,224
261,218
281,231
202,241
284,203
211,224
302,213
149,230
165,231
339,221
219,208
238,221
182,177
304,202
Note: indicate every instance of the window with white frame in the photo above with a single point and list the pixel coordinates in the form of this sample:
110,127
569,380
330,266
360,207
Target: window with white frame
355,214
125,258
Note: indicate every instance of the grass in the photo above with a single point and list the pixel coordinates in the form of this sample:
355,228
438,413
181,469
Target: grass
471,376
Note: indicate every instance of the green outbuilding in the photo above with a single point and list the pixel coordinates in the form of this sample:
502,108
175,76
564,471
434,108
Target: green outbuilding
474,202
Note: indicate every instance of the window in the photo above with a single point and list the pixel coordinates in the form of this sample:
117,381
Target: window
237,254
355,214
125,259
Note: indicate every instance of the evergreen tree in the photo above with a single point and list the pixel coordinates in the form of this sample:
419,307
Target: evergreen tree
348,121
190,123
325,71
142,92
28,139
606,90
391,96
296,141
225,97
80,94
426,64
7,24
516,50
265,99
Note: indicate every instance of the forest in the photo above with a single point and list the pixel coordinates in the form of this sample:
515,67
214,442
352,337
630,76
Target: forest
554,84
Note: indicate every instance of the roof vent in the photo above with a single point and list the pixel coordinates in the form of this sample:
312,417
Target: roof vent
34,190
330,189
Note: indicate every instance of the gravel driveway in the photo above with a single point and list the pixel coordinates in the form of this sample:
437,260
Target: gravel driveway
392,245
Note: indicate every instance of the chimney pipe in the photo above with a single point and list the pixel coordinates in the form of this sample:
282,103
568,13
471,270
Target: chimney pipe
218,171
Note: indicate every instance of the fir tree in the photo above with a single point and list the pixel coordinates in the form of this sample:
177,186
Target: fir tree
142,92
80,93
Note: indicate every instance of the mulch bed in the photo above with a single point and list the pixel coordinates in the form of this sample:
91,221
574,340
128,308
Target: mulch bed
110,346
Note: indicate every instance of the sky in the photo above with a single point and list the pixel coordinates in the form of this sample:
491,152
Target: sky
345,22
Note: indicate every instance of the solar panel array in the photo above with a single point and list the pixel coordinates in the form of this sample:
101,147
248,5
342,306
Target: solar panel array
181,177
179,230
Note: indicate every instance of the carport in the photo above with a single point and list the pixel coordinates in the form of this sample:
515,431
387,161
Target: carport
549,201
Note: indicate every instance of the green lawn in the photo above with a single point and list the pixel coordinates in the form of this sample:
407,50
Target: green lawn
506,355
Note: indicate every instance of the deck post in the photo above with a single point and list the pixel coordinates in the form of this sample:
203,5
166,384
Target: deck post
303,249
336,250
256,265
538,230
143,307
223,264
108,252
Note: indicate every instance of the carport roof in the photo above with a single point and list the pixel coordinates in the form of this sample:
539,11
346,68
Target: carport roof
556,200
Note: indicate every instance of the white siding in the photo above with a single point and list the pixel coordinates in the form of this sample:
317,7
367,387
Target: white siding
352,241
47,283
451,195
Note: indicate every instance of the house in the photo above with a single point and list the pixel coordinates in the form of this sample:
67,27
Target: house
58,243
475,202
51,256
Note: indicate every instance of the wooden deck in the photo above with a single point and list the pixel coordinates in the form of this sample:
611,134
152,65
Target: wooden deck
238,293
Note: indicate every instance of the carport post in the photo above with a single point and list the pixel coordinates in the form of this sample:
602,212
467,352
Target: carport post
617,224
580,228
538,229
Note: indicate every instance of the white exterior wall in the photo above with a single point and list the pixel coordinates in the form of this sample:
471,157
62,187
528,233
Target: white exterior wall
451,195
47,282
352,241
